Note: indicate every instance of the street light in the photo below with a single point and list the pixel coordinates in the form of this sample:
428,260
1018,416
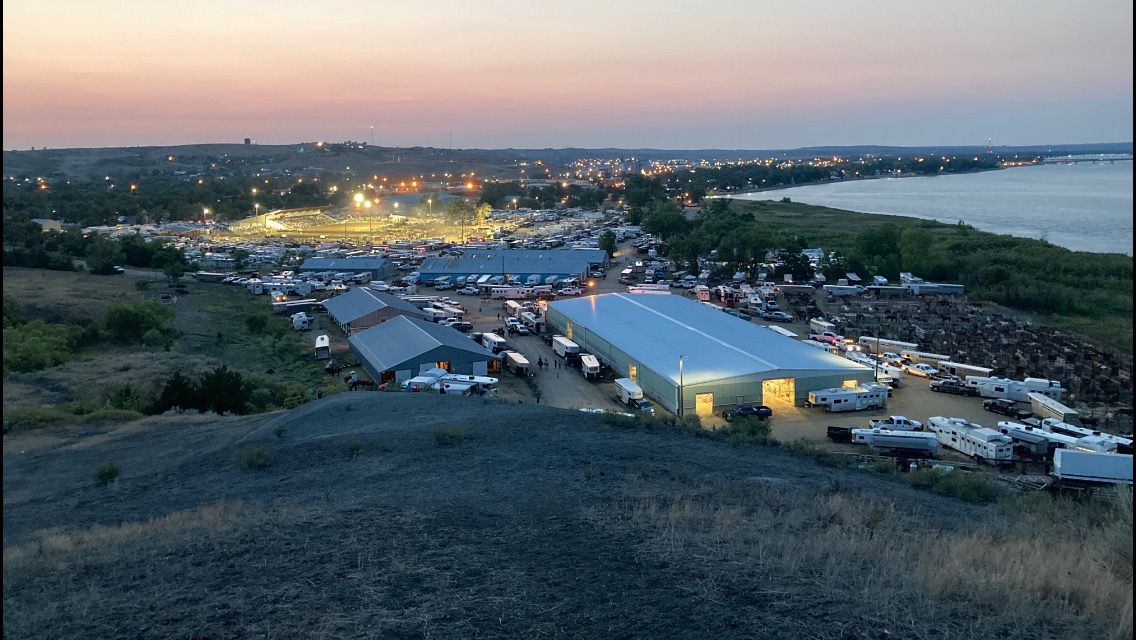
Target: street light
514,204
680,407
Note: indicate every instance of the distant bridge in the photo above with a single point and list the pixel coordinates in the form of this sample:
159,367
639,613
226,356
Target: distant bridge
1104,157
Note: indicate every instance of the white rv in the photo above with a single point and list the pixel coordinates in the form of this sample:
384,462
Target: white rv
868,396
589,365
534,322
1016,390
323,347
493,342
976,441
301,321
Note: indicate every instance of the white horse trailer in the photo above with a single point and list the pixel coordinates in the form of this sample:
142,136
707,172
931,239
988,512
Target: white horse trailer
868,396
976,441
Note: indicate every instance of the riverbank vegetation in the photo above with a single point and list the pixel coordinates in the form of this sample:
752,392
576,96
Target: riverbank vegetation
1087,293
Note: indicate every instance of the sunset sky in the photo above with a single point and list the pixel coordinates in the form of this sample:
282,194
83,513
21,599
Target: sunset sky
668,74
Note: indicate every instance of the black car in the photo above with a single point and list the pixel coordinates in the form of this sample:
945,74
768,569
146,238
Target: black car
1006,407
748,411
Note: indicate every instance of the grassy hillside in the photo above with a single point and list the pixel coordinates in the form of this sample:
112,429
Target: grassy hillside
359,515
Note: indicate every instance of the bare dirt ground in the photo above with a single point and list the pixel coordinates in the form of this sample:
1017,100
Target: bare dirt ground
537,522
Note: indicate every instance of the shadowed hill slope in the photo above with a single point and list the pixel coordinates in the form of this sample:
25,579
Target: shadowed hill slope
413,515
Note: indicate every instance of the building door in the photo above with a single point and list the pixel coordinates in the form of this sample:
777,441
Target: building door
778,391
704,404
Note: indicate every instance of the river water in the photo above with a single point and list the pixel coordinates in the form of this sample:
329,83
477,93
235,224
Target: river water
1084,206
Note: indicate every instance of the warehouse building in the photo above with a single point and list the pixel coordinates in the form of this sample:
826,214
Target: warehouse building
361,308
403,347
519,263
684,353
377,268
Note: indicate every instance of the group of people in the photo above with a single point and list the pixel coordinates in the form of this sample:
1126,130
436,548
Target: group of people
541,363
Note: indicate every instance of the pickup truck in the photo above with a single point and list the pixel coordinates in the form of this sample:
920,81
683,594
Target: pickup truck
953,386
1006,407
827,336
895,423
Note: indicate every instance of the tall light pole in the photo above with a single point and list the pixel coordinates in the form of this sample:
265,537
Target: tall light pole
680,408
430,203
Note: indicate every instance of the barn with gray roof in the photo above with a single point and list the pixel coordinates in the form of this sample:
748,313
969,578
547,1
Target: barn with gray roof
361,308
682,352
403,347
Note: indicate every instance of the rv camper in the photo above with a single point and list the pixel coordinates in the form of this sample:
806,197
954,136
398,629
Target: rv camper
589,366
976,441
323,347
868,396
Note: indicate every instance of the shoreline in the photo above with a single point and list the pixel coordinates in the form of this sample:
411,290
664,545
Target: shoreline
884,197
860,179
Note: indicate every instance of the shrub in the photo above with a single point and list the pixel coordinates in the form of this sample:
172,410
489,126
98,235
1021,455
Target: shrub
110,415
130,398
255,456
748,429
130,322
29,418
964,485
450,436
223,390
36,346
256,323
106,472
353,448
280,431
179,392
821,456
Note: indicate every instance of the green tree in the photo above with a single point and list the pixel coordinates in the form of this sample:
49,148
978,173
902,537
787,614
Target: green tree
129,322
225,391
665,219
607,242
103,256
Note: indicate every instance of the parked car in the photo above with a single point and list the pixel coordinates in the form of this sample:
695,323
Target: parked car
772,306
748,411
921,370
1006,407
776,316
464,327
469,291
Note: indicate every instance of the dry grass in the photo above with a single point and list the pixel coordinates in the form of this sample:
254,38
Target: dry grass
68,546
845,544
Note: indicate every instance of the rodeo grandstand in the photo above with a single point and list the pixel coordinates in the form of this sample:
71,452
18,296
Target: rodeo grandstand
284,220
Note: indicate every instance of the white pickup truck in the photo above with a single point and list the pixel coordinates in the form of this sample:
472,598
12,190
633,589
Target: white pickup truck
895,423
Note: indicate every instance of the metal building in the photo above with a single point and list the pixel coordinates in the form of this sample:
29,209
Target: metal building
403,347
521,263
682,352
379,268
361,308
